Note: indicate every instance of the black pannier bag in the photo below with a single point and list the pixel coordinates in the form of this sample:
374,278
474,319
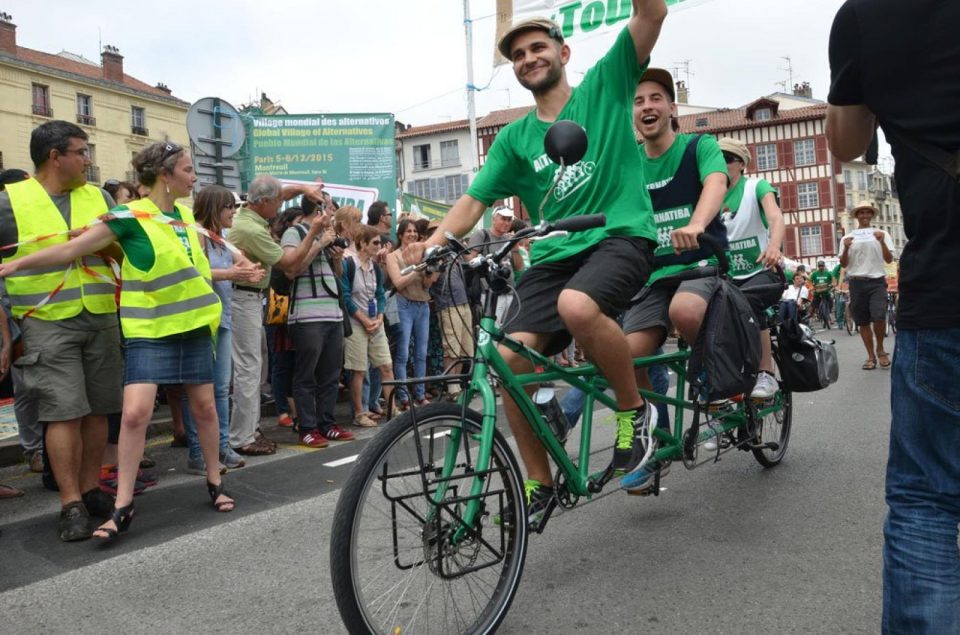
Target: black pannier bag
725,359
806,363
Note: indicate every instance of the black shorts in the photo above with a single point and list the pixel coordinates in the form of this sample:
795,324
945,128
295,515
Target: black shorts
760,301
868,300
611,273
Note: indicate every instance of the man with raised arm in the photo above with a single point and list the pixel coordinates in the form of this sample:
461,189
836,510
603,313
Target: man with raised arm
578,282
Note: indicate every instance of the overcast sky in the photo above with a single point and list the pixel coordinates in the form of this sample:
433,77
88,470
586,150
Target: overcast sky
408,56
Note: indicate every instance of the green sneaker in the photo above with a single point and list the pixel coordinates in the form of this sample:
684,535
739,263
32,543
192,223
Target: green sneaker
628,448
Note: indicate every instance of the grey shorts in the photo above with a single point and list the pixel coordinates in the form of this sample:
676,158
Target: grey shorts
653,307
868,300
71,373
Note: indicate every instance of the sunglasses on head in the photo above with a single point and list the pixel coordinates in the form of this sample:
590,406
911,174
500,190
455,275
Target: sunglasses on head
169,150
111,183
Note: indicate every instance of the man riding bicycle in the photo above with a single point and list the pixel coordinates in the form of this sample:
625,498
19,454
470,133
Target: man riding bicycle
824,284
578,283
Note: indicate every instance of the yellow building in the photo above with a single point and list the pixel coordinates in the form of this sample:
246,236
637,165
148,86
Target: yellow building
120,113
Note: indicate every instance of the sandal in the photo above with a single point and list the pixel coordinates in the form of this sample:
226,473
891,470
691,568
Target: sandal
257,448
364,421
371,415
121,518
216,491
884,360
870,364
8,491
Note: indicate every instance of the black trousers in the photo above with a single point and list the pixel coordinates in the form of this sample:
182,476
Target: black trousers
318,360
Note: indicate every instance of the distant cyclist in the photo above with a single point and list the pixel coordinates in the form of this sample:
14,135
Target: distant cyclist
823,285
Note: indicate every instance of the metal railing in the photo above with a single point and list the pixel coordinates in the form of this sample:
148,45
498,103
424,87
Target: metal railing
42,110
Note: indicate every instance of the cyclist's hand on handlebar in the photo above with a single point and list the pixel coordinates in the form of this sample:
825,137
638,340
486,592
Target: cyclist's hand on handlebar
771,257
685,238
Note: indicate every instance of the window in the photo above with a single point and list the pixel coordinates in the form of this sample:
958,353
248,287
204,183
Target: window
805,152
763,114
41,101
456,186
849,201
421,158
92,172
85,110
138,120
808,195
767,157
861,181
848,179
444,189
810,241
449,153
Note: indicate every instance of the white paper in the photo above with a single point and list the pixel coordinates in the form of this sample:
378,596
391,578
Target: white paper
863,235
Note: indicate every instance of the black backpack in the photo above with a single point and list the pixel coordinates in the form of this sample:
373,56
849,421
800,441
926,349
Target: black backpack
725,359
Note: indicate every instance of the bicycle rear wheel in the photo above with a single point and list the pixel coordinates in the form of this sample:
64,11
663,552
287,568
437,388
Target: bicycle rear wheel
396,561
774,428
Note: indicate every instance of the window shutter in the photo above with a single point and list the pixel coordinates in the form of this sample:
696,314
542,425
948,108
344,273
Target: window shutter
826,235
786,158
841,196
788,196
824,191
790,242
820,145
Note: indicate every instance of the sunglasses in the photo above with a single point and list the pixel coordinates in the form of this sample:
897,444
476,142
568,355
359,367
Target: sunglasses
731,158
375,242
84,152
230,206
111,183
169,150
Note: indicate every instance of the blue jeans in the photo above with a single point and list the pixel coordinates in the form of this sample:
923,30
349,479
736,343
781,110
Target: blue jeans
921,563
414,322
281,372
372,389
222,365
788,310
572,401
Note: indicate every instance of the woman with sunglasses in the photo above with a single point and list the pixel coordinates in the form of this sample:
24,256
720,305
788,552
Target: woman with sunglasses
169,314
214,208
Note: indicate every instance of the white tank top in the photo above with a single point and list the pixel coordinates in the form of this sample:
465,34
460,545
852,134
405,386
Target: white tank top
747,234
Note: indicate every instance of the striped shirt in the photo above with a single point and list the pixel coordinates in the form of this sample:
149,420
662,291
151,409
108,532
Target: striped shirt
307,306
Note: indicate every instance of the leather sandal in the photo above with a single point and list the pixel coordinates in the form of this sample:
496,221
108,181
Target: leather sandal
870,364
121,518
884,360
215,492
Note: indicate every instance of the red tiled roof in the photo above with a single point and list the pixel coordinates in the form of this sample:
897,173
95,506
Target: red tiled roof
446,126
736,119
503,117
66,65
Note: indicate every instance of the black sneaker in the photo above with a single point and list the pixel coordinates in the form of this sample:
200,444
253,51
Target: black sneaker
74,522
628,448
98,503
541,500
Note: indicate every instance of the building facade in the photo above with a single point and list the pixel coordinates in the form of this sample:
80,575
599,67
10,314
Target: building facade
120,113
435,161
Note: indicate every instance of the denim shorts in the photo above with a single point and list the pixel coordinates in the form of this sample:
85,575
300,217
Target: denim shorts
172,360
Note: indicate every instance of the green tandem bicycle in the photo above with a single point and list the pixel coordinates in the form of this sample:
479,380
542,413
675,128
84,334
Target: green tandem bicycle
430,532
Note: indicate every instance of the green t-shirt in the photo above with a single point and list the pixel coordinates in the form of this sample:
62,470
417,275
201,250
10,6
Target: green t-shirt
734,196
134,241
518,165
660,171
821,280
251,235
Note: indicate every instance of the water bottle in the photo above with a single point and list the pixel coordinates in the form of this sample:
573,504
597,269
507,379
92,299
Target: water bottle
372,308
546,400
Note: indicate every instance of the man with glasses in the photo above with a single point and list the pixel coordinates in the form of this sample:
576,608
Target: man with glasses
251,234
71,358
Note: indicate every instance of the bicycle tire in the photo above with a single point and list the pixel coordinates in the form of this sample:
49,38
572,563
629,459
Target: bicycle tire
388,578
775,426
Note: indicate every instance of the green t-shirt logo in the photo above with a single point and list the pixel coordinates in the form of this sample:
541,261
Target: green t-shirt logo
667,221
575,177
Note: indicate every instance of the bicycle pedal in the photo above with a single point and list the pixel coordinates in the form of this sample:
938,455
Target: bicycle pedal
538,525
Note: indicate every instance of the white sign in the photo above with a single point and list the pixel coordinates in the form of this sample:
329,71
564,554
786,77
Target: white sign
863,235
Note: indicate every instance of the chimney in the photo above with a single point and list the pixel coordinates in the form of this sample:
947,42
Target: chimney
163,87
8,34
112,63
803,90
683,93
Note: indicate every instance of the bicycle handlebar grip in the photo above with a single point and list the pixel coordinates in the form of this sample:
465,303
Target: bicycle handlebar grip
709,242
579,223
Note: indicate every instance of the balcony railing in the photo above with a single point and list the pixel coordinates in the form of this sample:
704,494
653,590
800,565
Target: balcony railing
42,110
93,174
419,166
139,130
87,120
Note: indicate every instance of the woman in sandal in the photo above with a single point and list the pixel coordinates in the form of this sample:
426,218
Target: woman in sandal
363,295
169,314
413,305
863,254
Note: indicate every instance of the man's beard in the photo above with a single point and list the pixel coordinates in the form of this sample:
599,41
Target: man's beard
545,85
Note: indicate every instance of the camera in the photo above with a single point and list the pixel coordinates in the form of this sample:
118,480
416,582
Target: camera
340,242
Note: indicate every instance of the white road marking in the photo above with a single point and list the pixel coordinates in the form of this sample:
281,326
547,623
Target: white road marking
343,461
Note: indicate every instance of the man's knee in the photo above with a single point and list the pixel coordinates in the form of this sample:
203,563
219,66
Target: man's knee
577,310
686,313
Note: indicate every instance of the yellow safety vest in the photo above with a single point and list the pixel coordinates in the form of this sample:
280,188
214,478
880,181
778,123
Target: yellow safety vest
36,215
175,295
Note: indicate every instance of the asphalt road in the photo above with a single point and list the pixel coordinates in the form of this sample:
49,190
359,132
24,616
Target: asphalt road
726,548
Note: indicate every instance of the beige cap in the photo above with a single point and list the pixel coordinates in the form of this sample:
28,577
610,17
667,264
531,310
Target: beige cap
540,23
864,205
662,77
735,147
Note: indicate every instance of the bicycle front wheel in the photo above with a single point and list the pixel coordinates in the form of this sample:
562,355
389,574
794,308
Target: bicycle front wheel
774,427
402,558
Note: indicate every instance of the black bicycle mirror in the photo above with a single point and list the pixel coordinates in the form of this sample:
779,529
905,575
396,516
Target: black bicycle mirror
566,142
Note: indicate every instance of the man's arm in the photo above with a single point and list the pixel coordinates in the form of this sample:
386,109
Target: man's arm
295,260
708,206
461,218
849,130
772,255
645,24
